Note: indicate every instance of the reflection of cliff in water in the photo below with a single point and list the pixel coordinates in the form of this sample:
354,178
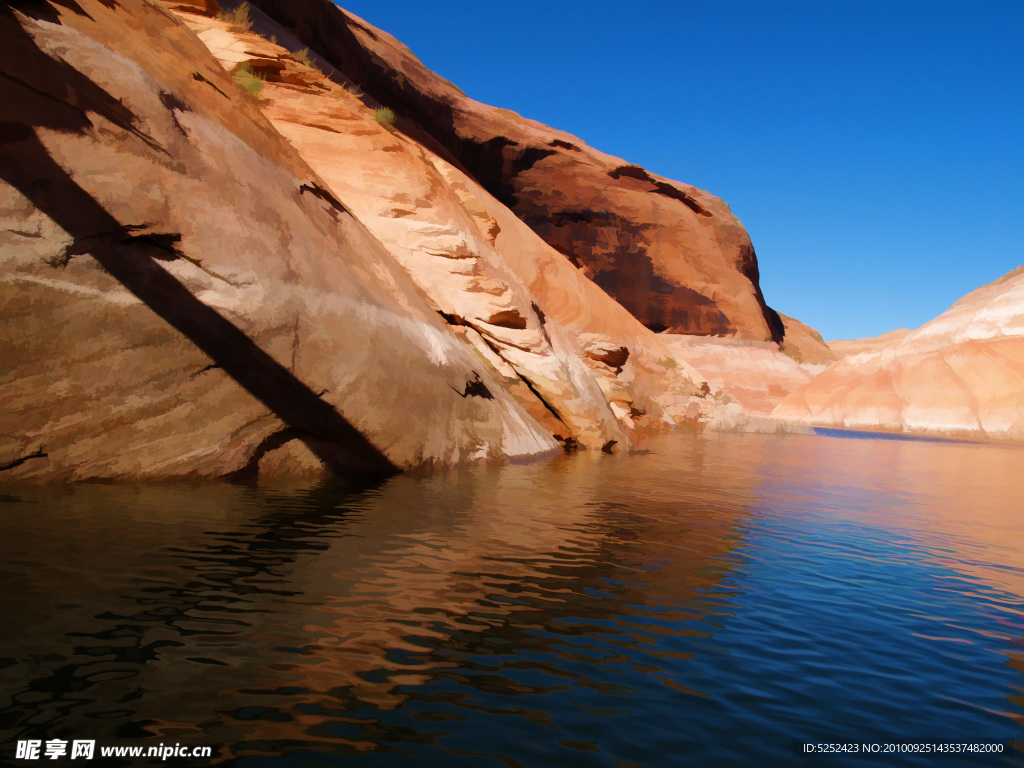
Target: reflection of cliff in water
960,500
223,614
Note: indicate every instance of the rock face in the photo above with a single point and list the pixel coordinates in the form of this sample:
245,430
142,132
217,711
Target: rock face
215,262
804,344
847,347
184,296
746,380
674,256
959,374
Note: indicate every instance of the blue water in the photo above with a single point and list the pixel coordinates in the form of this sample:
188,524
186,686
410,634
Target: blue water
710,602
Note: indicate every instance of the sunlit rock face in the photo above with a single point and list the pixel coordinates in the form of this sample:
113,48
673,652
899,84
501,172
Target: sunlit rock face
674,256
959,374
746,380
533,317
201,280
804,344
847,347
185,297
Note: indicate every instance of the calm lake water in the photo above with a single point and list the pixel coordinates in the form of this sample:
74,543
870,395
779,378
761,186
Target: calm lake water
706,603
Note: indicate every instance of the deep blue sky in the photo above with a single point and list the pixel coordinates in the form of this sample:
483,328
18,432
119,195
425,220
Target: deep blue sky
874,150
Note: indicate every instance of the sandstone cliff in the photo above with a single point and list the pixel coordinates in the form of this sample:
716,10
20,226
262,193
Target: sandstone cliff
959,374
215,262
674,256
183,295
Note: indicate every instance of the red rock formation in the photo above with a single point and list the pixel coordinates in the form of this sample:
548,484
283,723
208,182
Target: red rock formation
214,262
847,347
673,255
184,296
959,374
746,379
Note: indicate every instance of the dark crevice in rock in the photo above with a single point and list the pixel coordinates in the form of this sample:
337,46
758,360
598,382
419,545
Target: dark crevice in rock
317,191
660,187
607,447
22,460
198,77
459,254
204,369
563,145
577,216
746,263
508,318
775,324
452,319
163,243
543,322
540,397
38,234
540,313
475,388
493,341
362,28
614,357
174,105
569,444
295,343
528,158
269,443
631,172
663,188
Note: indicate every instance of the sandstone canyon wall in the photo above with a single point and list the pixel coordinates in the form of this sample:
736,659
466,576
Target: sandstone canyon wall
198,281
183,295
960,374
674,256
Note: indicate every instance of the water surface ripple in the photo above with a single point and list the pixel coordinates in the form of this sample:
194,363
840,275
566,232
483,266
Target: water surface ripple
702,604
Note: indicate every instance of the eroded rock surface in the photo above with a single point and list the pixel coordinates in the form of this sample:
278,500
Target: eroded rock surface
184,296
959,374
674,256
746,380
205,276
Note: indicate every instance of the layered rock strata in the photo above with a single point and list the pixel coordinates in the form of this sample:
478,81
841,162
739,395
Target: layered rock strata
959,374
184,296
215,262
674,256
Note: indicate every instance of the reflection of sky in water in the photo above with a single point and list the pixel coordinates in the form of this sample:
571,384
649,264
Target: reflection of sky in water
713,600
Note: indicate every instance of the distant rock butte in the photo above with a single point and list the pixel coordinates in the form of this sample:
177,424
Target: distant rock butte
959,374
847,347
674,256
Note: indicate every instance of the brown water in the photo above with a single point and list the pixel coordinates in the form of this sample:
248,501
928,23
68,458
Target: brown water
703,604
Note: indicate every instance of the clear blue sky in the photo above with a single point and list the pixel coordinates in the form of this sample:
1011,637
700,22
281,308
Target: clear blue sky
874,150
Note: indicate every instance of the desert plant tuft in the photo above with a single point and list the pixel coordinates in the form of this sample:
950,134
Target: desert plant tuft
302,55
385,116
249,81
239,17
